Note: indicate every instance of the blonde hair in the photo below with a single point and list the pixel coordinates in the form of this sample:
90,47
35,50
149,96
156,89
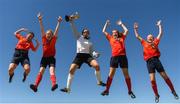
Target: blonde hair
50,31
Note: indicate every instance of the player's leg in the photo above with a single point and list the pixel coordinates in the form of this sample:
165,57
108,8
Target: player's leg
151,66
25,62
154,86
26,71
163,74
109,81
169,83
53,78
52,65
123,61
43,66
96,66
72,70
113,66
128,82
14,63
12,67
38,79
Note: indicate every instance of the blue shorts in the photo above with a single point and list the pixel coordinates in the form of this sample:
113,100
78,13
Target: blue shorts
154,64
121,61
83,58
48,61
20,56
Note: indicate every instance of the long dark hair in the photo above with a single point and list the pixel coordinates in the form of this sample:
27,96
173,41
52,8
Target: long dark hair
31,33
119,33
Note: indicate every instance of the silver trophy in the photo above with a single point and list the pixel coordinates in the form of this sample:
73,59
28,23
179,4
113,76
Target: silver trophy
72,17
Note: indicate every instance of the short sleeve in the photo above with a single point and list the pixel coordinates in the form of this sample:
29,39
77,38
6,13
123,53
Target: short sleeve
156,41
108,37
19,36
54,38
124,37
143,42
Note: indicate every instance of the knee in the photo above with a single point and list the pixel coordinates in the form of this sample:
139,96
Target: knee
165,77
126,75
52,71
152,79
11,68
10,71
27,69
42,69
111,74
97,67
73,68
72,71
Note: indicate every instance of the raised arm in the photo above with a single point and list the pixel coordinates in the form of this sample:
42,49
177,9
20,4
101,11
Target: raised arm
160,29
136,32
37,45
57,26
105,26
75,32
20,30
41,24
123,26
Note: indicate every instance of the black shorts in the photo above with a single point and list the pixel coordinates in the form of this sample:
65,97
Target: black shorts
119,60
51,61
154,64
20,56
81,58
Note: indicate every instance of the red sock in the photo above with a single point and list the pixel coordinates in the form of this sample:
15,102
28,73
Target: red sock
108,83
154,87
128,82
53,80
169,83
38,79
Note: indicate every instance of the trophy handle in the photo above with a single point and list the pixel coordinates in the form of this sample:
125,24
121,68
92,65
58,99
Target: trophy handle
72,17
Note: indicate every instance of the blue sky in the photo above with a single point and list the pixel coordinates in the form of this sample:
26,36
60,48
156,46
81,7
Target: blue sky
93,14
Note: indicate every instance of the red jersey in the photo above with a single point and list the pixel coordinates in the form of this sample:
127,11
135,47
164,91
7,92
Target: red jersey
23,43
49,46
117,46
150,49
